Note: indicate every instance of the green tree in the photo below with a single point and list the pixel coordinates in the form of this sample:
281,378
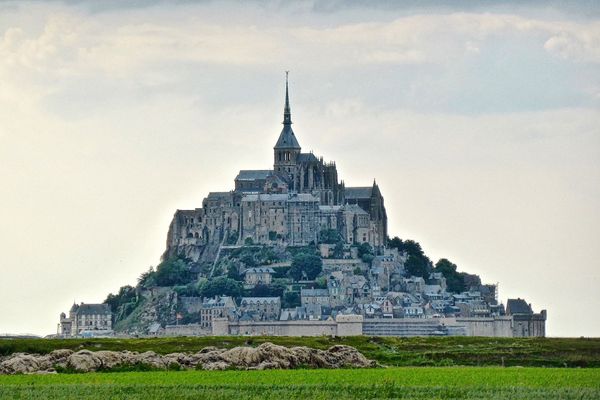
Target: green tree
249,260
329,236
363,249
126,294
471,280
338,250
221,286
191,290
147,279
174,271
262,290
321,283
418,264
233,272
454,280
291,300
305,265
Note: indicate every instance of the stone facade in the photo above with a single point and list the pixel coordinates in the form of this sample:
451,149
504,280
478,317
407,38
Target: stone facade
217,307
288,205
86,319
258,276
353,325
343,325
315,296
260,308
526,322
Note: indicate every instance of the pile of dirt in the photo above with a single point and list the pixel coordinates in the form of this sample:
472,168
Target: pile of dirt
265,356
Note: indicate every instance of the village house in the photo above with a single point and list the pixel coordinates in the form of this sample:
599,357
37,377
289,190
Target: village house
258,276
315,296
260,308
217,307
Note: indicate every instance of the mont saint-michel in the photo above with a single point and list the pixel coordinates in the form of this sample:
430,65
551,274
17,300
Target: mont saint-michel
294,250
289,205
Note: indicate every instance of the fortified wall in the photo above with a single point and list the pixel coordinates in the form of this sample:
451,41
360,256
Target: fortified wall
355,325
343,325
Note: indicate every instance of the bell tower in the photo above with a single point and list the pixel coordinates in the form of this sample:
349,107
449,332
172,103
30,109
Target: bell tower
287,148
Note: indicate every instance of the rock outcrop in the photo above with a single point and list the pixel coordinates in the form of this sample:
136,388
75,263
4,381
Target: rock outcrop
265,356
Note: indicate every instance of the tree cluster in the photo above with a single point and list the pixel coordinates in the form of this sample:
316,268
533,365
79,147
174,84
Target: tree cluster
418,264
220,286
329,236
171,272
456,281
305,266
272,290
126,294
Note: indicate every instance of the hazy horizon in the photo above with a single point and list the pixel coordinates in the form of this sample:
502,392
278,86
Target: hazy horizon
479,122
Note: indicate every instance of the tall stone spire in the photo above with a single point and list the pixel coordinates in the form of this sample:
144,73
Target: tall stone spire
287,113
287,139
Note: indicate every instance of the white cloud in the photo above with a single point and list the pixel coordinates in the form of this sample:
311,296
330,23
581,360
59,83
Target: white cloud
74,44
581,44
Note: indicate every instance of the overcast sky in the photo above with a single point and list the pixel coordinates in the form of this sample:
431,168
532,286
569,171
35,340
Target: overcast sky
480,122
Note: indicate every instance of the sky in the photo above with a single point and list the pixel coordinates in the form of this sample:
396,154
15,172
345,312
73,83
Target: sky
479,120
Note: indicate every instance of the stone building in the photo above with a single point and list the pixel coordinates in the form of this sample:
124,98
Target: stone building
315,296
289,205
86,318
260,308
258,276
217,307
526,323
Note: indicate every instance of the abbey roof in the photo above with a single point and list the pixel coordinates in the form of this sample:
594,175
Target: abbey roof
359,192
287,139
253,174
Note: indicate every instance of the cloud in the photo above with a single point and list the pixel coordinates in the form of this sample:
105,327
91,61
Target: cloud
74,43
582,45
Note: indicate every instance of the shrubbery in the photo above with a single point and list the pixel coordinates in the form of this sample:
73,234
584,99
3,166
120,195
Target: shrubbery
418,264
221,286
306,266
125,295
329,236
456,281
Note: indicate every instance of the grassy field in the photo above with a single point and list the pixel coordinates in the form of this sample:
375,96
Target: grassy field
404,383
390,351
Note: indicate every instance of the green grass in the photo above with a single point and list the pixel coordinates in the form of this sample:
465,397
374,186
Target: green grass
406,383
390,351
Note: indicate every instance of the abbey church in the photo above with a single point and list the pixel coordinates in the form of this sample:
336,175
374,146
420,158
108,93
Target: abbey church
289,205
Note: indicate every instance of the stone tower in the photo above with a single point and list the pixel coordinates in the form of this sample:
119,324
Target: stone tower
287,149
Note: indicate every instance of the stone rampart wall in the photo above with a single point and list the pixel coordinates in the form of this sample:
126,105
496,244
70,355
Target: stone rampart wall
353,325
